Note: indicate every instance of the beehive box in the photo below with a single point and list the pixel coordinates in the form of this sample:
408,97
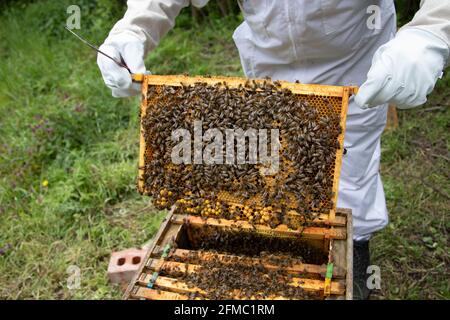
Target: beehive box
178,256
316,196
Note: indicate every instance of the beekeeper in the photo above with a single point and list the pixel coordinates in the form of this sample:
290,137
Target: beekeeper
334,42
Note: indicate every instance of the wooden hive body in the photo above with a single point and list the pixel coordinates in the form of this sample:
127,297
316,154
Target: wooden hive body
335,240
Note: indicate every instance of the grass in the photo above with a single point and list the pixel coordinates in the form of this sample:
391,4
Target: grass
68,161
412,251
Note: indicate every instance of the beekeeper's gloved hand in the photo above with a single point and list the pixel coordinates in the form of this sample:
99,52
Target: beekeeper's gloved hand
129,48
404,70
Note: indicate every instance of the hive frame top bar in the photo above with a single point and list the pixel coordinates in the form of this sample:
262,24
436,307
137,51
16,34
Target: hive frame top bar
234,82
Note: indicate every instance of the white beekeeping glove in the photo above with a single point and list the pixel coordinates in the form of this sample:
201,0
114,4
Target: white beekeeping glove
132,37
131,50
404,70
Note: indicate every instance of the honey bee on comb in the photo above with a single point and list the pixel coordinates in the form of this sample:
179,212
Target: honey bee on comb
261,276
309,141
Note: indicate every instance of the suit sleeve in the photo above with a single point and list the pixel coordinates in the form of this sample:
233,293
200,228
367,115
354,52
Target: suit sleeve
434,17
150,20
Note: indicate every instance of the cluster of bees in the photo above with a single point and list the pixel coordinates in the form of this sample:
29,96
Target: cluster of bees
239,276
309,141
243,280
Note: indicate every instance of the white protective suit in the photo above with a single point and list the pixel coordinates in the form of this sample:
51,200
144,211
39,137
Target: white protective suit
314,41
327,42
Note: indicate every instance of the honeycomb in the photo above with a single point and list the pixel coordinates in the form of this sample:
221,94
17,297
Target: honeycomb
328,101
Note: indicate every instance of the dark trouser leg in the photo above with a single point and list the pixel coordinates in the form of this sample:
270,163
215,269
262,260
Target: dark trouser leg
361,260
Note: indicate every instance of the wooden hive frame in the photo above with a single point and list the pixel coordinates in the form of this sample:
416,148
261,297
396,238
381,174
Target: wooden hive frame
310,91
334,238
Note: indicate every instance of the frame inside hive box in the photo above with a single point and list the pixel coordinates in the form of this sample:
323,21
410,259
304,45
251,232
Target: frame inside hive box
183,247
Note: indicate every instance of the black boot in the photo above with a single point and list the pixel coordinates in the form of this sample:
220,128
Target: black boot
361,260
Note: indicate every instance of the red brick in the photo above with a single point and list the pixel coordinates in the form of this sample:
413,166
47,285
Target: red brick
124,264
